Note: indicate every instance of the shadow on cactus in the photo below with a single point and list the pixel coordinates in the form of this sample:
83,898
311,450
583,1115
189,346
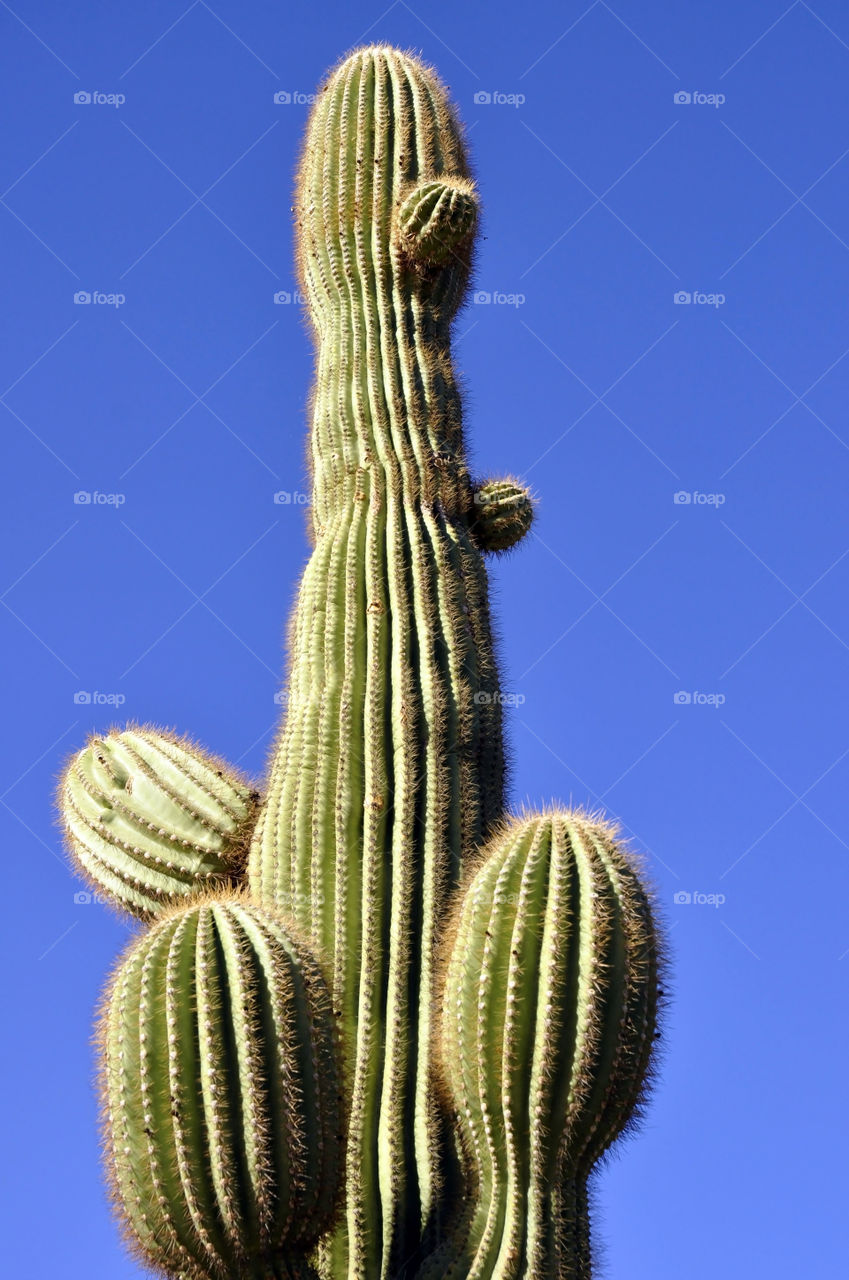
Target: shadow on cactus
295,1084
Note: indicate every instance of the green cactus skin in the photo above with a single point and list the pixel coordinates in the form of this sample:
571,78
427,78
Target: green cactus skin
548,1023
151,819
504,513
220,1094
389,766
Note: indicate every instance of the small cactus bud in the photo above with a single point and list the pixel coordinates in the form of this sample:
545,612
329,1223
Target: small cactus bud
437,219
503,513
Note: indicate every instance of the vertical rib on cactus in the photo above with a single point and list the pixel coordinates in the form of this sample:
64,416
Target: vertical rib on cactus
220,1094
547,1028
389,768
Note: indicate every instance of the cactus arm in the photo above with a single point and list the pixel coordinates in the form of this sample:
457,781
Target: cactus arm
151,819
220,1094
549,1016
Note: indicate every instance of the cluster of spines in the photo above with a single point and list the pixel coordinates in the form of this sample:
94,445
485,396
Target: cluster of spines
548,1023
151,819
220,1093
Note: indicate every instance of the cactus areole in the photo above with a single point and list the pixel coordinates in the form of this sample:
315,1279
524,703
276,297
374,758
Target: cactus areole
376,1030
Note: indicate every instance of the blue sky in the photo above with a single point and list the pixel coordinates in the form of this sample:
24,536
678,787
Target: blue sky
681,663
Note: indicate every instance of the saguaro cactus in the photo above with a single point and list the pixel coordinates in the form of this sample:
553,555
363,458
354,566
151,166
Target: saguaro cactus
477,1090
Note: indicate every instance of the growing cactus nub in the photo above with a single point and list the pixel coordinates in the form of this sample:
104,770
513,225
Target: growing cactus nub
504,512
305,1078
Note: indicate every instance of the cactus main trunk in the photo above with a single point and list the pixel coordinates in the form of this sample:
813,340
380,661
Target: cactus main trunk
389,766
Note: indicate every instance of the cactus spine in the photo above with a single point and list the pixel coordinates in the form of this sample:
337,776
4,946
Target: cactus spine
220,1093
390,762
477,1095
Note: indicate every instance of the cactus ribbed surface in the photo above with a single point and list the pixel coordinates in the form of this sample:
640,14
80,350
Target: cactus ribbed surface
399,1049
151,819
388,766
220,1093
548,1023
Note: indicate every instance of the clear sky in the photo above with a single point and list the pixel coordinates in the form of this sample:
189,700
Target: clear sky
682,663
